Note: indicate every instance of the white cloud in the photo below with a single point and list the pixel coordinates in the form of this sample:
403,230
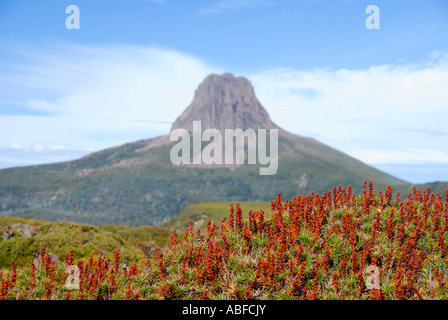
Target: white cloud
26,157
38,147
57,147
398,157
96,97
390,110
15,146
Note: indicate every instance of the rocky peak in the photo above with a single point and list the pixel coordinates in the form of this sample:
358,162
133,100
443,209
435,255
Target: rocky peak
225,102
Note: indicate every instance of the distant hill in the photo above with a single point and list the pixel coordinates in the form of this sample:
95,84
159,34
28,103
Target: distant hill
436,187
136,183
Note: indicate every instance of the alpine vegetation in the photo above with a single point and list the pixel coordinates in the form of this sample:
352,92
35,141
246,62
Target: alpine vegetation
332,246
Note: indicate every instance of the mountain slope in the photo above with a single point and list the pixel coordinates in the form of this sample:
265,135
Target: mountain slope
22,240
137,184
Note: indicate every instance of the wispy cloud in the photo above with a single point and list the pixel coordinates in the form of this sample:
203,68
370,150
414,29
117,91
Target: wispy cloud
410,156
391,110
225,6
429,132
27,157
89,97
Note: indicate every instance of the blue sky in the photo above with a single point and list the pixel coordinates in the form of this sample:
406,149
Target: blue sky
132,67
248,35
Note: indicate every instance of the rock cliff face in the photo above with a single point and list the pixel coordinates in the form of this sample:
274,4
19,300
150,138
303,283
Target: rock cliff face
225,102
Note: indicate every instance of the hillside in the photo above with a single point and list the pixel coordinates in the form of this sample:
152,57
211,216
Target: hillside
436,187
136,183
22,240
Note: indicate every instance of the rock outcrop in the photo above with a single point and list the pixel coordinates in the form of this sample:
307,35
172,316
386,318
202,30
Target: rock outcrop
225,102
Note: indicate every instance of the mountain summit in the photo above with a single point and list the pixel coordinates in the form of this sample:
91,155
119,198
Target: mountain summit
225,102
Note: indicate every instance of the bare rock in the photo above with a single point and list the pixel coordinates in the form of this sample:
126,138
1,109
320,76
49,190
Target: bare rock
38,262
225,102
24,229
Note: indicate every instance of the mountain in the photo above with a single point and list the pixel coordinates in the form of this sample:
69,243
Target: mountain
137,184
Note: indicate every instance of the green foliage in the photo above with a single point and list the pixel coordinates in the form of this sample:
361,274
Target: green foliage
85,240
